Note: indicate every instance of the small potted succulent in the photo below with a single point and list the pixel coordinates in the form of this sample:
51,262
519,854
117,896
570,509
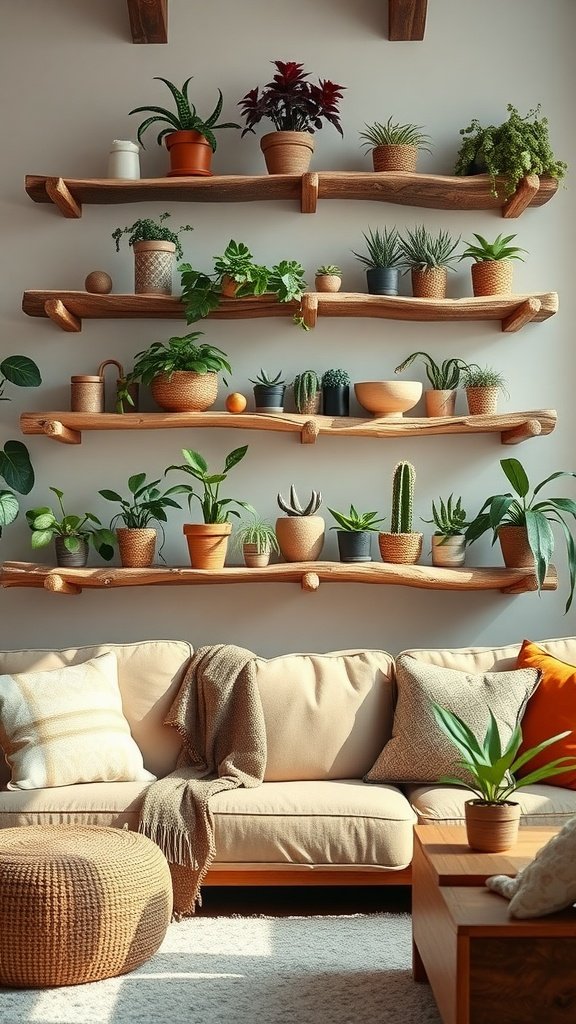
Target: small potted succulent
401,544
492,269
189,138
296,108
440,398
394,146
257,538
154,246
307,392
328,278
144,505
382,260
183,376
449,538
300,531
483,385
72,534
429,257
15,466
269,392
354,533
336,392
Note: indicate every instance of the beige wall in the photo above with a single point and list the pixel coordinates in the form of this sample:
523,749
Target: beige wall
68,76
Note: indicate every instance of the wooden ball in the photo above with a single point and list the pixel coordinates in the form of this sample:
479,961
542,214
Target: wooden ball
98,282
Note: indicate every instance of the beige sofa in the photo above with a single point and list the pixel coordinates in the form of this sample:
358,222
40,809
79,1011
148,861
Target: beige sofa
313,820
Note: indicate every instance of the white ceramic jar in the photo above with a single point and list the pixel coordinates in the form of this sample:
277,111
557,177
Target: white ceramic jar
124,159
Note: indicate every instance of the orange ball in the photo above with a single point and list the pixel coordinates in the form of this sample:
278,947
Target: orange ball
236,402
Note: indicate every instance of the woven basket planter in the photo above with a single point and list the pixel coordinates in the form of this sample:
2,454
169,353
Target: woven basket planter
395,158
429,284
185,391
153,267
137,547
287,152
492,277
482,401
400,548
516,551
491,827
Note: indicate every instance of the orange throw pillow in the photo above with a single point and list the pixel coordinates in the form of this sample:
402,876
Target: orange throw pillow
550,710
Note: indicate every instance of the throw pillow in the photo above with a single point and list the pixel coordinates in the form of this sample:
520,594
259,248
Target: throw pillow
67,726
548,883
419,751
550,710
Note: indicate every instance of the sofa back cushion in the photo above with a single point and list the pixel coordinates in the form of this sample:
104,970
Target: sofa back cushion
327,716
149,673
491,659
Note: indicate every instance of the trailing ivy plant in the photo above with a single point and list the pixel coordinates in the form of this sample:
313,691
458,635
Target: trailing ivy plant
15,466
511,150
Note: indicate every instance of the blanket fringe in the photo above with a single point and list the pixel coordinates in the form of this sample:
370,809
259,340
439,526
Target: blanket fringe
174,843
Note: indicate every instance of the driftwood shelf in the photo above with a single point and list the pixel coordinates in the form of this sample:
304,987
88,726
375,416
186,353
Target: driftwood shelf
513,427
67,309
434,191
308,574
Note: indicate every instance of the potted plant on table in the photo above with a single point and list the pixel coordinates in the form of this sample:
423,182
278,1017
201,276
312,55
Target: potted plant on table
183,376
440,398
382,260
449,538
523,525
72,534
208,541
354,533
296,108
328,278
509,151
145,505
483,385
154,246
336,392
258,541
401,545
492,269
489,770
306,387
300,532
429,257
269,392
15,466
189,138
394,146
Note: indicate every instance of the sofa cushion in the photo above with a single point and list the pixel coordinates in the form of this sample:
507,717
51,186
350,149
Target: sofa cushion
90,803
548,883
149,674
419,751
539,804
66,726
551,710
326,715
490,659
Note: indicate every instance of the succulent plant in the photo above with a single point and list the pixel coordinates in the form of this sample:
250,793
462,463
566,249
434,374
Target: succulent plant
448,517
335,378
392,134
267,381
403,479
328,269
383,248
306,385
294,507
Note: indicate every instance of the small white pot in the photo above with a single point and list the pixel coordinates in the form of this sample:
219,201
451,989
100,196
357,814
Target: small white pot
448,552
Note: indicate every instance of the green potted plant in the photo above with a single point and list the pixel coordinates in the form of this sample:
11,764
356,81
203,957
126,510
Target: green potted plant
15,466
492,269
401,544
144,505
394,146
306,387
237,274
257,539
382,260
154,245
483,385
429,257
444,377
297,108
354,533
336,392
489,771
449,537
71,533
509,151
523,525
189,138
182,375
208,541
269,392
300,531
328,278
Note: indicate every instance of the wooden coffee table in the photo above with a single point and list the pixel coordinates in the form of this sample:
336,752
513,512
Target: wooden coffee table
483,966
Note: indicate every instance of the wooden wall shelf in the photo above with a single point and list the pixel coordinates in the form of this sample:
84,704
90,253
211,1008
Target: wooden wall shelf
513,427
68,308
149,20
434,191
406,20
308,574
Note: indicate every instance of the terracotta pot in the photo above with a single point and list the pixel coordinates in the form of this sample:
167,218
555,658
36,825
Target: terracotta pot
71,559
190,154
287,152
229,287
300,538
327,283
137,547
185,391
153,267
207,544
516,551
253,558
492,827
482,401
429,284
395,158
440,403
448,552
400,548
492,277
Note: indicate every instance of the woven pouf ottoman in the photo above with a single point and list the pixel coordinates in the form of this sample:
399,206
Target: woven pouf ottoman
79,903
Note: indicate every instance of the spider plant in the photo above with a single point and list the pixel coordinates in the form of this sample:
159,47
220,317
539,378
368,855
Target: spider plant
393,134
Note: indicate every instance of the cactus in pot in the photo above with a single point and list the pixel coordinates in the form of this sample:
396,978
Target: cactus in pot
300,532
401,545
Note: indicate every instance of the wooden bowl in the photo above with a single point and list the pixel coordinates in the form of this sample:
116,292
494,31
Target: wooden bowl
388,399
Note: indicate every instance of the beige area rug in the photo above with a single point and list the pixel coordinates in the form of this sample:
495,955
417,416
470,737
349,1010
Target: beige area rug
252,970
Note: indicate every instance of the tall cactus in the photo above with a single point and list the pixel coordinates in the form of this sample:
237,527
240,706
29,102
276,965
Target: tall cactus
403,479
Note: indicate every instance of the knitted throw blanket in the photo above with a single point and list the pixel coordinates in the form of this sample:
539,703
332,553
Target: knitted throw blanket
218,713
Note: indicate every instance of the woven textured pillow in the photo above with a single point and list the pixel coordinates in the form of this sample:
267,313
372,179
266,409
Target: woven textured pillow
67,726
551,710
548,883
419,751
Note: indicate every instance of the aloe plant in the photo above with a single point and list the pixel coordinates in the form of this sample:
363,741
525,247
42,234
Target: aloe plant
293,507
499,249
424,250
186,117
444,376
382,248
354,521
448,517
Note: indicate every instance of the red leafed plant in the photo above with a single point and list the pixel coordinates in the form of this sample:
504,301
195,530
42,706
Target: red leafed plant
291,102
